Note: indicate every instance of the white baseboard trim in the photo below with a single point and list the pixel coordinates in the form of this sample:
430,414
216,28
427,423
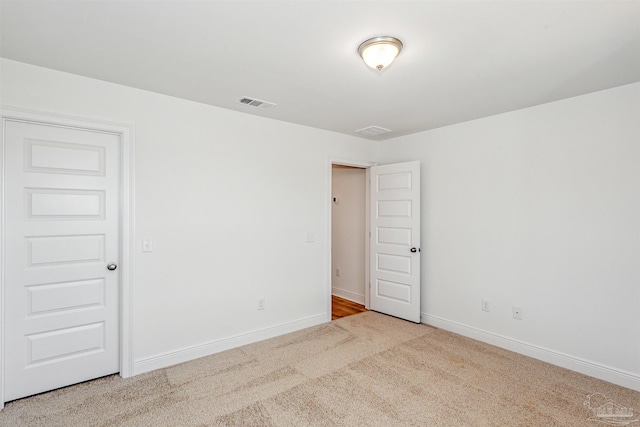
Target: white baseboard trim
351,296
190,353
606,373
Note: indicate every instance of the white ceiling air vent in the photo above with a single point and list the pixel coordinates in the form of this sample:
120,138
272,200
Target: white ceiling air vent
264,105
372,131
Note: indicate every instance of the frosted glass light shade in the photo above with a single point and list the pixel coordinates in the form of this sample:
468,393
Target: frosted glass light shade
379,52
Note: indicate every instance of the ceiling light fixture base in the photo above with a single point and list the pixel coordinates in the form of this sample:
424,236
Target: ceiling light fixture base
379,52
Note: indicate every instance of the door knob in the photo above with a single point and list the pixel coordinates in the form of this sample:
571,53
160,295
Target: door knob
112,266
414,250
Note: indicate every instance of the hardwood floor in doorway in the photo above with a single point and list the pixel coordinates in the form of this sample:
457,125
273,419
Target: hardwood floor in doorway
341,307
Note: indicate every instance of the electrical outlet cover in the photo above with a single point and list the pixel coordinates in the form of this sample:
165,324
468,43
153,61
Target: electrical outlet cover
517,312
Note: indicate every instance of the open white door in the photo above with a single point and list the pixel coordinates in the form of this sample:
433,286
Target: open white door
395,240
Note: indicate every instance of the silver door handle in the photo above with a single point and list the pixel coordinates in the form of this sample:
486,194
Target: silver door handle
112,266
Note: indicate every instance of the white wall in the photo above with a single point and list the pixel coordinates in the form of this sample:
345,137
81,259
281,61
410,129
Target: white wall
540,208
228,199
348,233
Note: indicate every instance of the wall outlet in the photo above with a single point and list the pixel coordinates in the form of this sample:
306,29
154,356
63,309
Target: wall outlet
261,304
517,312
485,305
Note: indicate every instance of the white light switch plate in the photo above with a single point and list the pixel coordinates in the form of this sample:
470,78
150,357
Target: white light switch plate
147,244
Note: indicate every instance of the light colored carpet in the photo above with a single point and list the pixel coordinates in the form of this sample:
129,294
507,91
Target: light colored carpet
364,370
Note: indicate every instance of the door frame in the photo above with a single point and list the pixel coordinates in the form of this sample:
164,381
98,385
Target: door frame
329,268
125,132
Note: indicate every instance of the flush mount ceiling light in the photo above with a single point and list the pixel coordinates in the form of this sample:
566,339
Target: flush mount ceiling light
379,52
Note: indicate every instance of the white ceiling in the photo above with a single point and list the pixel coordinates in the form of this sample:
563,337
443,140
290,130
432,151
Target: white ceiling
461,59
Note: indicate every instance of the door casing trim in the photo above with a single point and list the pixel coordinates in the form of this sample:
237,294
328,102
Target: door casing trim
126,132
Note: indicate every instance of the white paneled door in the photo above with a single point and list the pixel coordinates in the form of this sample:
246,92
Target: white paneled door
61,254
395,240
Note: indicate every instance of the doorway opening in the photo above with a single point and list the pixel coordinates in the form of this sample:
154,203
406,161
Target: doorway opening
349,232
391,239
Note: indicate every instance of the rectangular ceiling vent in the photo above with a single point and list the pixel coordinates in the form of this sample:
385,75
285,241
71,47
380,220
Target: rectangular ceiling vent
372,131
264,105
